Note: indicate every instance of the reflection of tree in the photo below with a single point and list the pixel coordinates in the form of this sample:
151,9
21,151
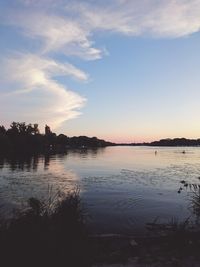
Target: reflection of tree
2,161
46,161
87,152
25,163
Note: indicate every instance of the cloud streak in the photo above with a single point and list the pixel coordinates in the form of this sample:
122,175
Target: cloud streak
166,19
35,95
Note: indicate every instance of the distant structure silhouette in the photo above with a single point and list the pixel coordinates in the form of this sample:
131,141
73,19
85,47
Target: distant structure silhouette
47,130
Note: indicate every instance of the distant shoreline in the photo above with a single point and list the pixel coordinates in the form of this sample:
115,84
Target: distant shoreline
22,138
176,142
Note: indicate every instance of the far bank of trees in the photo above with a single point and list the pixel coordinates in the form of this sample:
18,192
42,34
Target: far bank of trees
176,142
22,137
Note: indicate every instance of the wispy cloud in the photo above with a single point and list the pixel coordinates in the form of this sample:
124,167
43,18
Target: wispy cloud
34,70
31,93
173,18
57,33
67,28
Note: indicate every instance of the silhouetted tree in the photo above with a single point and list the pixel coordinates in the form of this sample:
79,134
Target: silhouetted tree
35,128
22,137
2,130
13,130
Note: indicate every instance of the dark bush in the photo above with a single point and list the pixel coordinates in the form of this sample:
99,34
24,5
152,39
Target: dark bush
46,233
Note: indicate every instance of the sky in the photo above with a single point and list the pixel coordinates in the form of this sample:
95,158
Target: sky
121,70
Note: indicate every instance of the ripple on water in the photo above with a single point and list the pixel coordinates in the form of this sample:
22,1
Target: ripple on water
145,187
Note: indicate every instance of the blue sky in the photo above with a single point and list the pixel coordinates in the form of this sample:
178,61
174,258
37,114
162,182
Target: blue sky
122,70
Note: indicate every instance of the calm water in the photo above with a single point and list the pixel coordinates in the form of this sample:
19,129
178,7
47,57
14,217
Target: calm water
122,188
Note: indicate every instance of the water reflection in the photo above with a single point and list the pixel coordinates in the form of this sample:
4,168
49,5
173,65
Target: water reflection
30,176
23,163
31,162
121,186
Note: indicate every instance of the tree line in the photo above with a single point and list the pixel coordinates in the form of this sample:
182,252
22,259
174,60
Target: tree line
176,142
21,137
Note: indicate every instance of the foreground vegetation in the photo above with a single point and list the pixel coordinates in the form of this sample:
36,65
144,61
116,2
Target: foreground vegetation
46,233
52,232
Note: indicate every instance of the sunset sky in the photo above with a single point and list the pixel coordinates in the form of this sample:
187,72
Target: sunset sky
122,70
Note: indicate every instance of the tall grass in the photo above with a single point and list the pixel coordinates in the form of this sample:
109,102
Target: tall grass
47,232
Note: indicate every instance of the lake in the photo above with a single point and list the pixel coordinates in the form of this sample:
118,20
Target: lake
122,188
